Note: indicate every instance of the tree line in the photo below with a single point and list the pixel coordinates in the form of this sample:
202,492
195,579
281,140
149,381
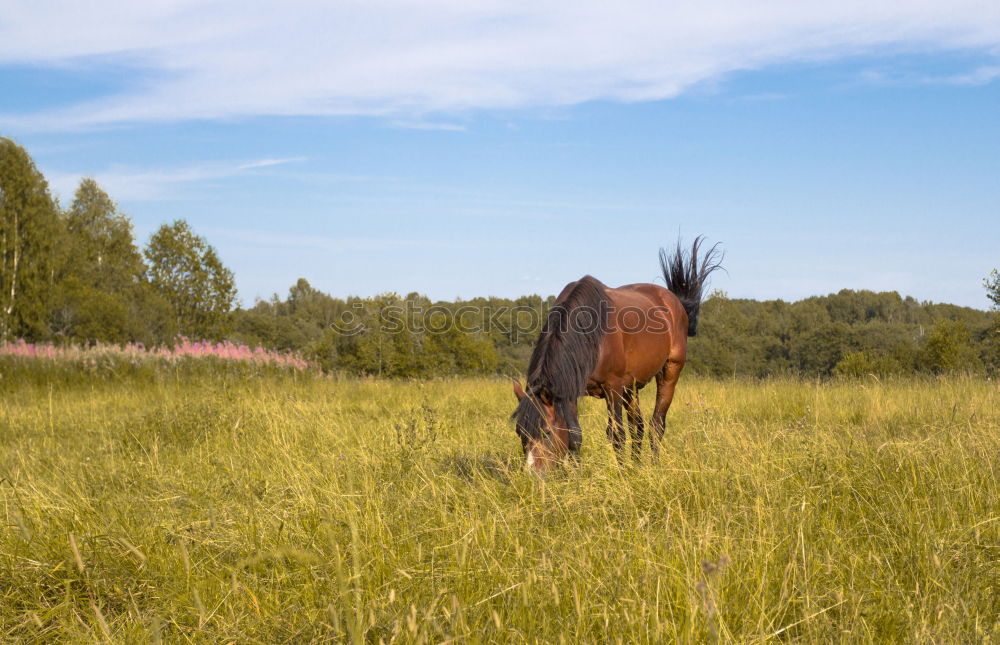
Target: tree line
850,333
77,275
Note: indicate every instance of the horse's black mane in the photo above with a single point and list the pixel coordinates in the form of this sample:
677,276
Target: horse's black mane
565,354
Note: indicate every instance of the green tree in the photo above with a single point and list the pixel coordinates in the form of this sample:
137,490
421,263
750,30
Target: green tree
990,348
992,284
386,346
991,336
949,348
187,272
104,292
858,364
29,235
103,248
817,351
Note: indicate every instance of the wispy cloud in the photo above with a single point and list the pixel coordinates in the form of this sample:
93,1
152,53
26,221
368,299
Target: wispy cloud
981,75
427,125
253,238
207,60
265,163
761,97
153,184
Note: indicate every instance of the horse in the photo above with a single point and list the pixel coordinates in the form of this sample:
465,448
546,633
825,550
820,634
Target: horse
609,343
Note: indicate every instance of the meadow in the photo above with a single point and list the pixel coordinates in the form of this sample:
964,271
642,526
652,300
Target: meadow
276,506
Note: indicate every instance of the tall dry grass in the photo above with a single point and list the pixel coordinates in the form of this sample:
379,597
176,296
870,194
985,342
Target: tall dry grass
269,509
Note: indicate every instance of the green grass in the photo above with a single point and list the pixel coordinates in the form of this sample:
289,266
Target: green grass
270,509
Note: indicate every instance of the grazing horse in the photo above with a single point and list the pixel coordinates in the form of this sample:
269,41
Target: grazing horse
608,343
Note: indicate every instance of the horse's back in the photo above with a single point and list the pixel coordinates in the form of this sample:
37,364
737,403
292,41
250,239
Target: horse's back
647,328
659,303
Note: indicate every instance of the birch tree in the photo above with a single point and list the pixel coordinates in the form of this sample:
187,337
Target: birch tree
29,234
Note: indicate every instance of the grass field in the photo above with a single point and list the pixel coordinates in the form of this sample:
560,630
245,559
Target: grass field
296,509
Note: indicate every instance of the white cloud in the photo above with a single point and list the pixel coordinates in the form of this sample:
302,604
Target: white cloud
152,184
979,76
427,125
260,239
265,163
228,58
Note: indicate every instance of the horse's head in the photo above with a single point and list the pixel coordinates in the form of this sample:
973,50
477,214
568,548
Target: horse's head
547,425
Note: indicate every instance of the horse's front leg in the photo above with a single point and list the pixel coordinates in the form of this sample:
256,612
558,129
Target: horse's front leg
616,431
635,421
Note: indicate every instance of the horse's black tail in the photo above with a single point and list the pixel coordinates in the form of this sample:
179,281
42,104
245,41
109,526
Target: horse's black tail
686,274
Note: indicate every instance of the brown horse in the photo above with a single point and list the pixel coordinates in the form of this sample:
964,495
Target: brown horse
609,343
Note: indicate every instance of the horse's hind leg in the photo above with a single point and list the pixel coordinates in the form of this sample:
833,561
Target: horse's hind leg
634,420
616,431
666,382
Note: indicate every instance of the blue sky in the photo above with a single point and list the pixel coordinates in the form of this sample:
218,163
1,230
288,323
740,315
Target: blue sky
504,150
